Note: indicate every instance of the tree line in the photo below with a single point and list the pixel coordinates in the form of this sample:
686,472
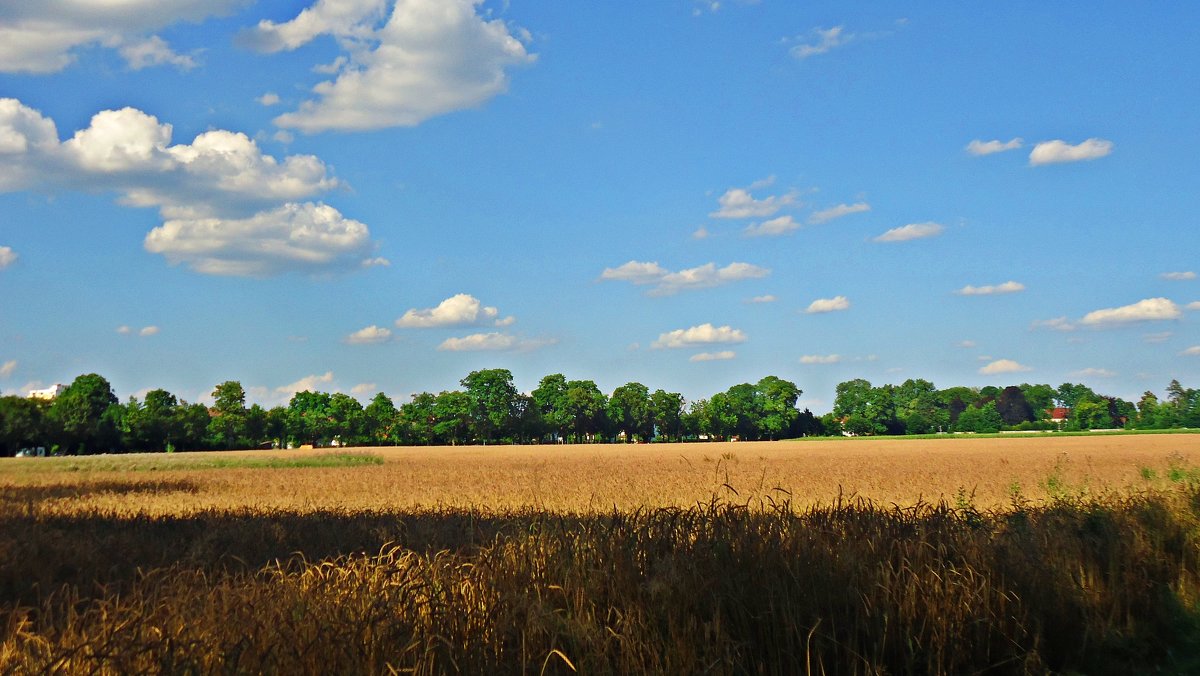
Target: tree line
87,417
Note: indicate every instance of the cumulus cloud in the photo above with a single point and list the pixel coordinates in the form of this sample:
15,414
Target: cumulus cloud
1055,324
1057,151
39,37
268,99
458,310
1150,309
834,212
739,203
978,147
425,58
911,231
821,41
991,290
295,237
723,355
666,283
781,225
228,207
362,389
1178,276
823,305
820,359
494,341
369,335
704,334
154,51
8,368
7,255
1003,366
310,383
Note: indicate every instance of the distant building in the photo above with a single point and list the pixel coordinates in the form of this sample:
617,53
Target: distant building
49,393
1058,415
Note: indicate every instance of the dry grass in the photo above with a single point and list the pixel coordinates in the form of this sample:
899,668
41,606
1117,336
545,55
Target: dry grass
582,478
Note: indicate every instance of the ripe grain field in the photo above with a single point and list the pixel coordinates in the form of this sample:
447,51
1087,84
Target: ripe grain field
600,477
846,556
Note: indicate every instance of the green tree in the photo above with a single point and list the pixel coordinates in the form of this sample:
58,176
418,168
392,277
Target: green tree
453,417
587,410
22,424
776,404
981,419
629,411
1040,398
551,399
667,411
1147,408
309,418
1091,414
493,400
417,419
227,429
152,425
382,419
87,416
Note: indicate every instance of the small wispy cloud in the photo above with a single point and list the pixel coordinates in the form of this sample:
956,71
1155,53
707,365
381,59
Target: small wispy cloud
1003,366
820,359
723,355
1178,276
1093,373
1055,324
991,290
911,231
768,298
1193,351
1057,151
835,212
822,41
8,368
369,335
666,283
823,305
979,148
781,225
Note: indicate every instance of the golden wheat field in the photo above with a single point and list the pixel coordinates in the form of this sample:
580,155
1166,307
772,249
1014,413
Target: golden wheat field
581,478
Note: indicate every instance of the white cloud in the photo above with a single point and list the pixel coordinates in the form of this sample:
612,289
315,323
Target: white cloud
1003,366
268,99
1178,276
704,334
8,368
823,305
377,262
148,331
154,51
369,335
458,310
124,330
1194,305
311,383
834,212
701,233
821,41
283,136
1160,337
220,195
978,147
739,203
1057,151
911,231
429,57
1055,324
494,341
723,355
507,321
293,238
1150,309
1093,373
781,225
820,359
763,299
991,290
38,37
363,389
7,255
966,344
667,283
1193,351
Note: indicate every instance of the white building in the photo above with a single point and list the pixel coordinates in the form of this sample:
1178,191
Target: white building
48,393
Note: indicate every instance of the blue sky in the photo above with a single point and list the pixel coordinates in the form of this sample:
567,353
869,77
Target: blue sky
384,195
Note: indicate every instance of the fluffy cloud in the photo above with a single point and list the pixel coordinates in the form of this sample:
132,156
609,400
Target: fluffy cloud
905,233
369,335
38,37
1178,276
494,341
1150,309
269,99
7,257
781,225
978,147
820,359
427,58
7,368
723,355
834,212
458,310
294,237
1056,151
704,334
991,290
823,305
821,41
362,389
739,203
1003,366
228,207
667,283
310,383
